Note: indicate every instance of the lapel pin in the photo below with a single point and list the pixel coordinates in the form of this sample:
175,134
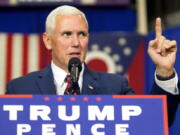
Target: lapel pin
90,87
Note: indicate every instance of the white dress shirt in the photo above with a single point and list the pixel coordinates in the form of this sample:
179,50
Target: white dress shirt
59,78
169,85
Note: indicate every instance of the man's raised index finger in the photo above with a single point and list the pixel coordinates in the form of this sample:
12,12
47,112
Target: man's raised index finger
158,28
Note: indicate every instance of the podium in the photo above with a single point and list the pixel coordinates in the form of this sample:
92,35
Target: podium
83,115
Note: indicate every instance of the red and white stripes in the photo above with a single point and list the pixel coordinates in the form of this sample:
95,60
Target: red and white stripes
19,55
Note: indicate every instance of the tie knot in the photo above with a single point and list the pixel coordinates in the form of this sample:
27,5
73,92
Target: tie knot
68,79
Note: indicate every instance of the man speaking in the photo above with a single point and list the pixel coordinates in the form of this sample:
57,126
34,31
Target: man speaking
67,37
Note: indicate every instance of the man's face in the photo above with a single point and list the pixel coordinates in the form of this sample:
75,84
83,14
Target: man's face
68,39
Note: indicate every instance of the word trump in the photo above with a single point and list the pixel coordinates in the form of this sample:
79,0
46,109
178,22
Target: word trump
93,115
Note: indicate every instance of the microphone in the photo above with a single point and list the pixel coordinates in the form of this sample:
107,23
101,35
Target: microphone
74,67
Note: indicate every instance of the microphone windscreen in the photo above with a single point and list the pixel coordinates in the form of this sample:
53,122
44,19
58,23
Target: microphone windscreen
74,62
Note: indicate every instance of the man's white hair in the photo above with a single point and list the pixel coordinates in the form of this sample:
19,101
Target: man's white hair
62,10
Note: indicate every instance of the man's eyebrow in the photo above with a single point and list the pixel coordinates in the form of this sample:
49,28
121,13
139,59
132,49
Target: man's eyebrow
83,31
67,32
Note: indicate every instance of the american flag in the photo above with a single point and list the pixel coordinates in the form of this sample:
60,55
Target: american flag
20,54
114,52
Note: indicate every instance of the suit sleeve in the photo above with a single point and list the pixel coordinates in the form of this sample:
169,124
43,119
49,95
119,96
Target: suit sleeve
9,89
126,90
172,101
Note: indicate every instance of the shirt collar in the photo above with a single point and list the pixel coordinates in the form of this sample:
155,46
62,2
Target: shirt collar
58,73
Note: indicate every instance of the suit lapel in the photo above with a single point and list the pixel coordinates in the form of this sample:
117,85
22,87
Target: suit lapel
46,85
90,85
45,81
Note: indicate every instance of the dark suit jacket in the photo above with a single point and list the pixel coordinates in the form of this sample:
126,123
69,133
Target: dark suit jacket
173,101
42,82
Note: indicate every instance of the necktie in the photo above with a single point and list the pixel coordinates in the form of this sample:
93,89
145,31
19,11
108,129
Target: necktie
72,87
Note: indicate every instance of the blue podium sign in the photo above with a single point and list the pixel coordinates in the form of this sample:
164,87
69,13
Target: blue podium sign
83,115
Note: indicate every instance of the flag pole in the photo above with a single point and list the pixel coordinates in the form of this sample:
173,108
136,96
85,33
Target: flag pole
141,9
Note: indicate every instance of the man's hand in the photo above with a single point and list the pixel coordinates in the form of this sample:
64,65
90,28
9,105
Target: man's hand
162,52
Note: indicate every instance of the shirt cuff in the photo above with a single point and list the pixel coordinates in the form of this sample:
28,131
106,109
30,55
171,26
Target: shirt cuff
169,85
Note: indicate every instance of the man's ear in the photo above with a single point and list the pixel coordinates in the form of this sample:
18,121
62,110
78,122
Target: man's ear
47,41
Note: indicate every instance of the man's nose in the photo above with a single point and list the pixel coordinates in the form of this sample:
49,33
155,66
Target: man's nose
76,41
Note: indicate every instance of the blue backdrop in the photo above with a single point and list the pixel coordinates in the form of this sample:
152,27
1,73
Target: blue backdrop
32,20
